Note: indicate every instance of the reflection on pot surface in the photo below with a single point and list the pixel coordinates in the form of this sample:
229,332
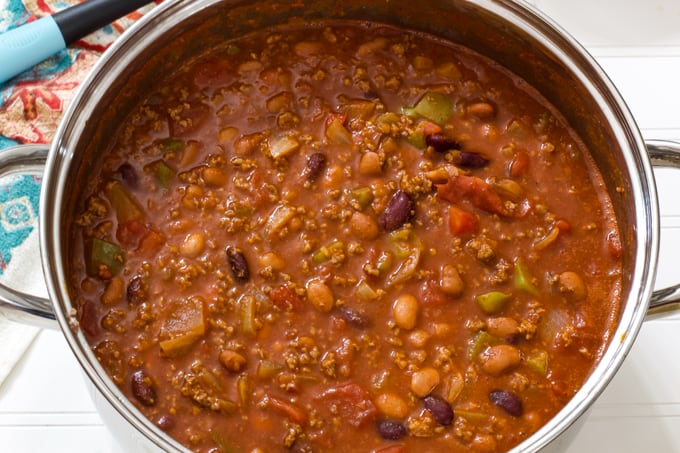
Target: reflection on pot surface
346,237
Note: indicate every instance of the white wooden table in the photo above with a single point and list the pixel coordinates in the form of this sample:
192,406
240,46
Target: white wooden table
45,406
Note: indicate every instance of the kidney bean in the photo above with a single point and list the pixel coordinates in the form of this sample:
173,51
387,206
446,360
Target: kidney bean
399,211
165,422
128,175
238,264
354,317
136,293
439,408
316,163
391,430
88,318
507,401
467,159
441,143
142,388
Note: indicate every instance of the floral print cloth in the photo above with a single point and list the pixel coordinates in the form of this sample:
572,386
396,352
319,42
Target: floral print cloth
31,106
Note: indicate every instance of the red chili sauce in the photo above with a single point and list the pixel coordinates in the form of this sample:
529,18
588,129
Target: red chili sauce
346,238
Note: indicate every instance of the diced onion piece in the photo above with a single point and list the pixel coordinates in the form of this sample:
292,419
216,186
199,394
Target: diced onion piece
548,239
283,146
266,369
359,108
406,270
184,325
123,204
246,314
365,292
454,387
338,134
279,218
538,361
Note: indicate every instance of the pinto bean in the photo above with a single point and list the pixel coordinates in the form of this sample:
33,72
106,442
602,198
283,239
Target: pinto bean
363,226
502,326
424,381
572,286
450,281
391,405
215,177
369,164
193,245
192,196
405,311
232,360
500,358
320,296
482,110
272,260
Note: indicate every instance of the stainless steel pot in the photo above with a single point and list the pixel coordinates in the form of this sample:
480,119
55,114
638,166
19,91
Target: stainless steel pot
510,32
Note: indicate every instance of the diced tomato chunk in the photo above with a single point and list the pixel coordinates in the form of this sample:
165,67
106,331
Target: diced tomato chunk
461,221
339,117
429,128
563,225
473,189
518,165
284,298
151,242
129,233
352,402
295,413
431,294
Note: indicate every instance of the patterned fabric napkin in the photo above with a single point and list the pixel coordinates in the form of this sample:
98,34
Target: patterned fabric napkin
31,106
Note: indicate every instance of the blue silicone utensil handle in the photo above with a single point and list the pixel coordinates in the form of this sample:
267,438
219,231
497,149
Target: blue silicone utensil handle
29,44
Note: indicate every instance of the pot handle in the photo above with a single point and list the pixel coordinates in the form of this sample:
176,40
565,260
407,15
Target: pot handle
664,154
16,305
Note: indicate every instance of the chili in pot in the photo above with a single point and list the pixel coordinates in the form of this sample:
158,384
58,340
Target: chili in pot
346,236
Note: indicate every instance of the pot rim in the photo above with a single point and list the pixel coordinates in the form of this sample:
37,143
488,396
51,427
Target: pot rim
537,25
